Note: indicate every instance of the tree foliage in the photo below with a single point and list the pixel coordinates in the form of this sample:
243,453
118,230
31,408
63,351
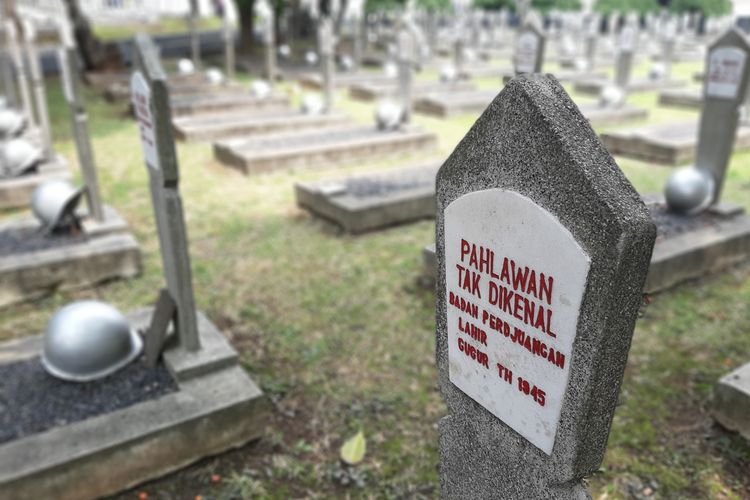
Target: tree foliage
705,7
379,5
640,6
540,5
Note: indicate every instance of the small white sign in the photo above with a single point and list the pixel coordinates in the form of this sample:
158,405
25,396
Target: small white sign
526,52
515,278
726,66
140,94
628,39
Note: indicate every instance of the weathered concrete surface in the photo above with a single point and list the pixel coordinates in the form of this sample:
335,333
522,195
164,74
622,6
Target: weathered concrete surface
218,408
367,91
691,99
16,192
447,104
108,252
595,86
599,115
731,402
311,149
210,127
666,143
387,198
194,105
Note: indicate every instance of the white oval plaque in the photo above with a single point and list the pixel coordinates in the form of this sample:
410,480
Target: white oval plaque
526,52
725,68
140,94
515,279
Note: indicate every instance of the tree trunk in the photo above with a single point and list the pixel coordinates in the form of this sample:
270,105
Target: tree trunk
94,54
246,15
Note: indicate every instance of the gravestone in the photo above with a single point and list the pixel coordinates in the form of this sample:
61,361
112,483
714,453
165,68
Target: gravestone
530,45
195,42
405,58
327,48
542,248
37,82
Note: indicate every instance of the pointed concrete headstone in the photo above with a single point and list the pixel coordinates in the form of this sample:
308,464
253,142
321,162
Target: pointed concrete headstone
627,43
37,83
406,44
529,56
543,247
724,91
327,47
151,104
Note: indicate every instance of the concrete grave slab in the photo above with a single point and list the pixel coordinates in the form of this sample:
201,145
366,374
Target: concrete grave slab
321,148
195,105
216,407
447,104
374,91
731,401
211,127
602,115
16,192
372,201
314,81
32,265
667,144
596,85
691,99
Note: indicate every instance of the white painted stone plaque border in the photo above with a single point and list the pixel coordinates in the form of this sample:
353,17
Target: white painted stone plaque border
512,226
724,76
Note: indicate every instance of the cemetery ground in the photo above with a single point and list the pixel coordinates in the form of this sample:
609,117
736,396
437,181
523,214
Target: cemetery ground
339,330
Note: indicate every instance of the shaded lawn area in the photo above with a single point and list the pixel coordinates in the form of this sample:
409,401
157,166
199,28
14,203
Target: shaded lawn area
339,333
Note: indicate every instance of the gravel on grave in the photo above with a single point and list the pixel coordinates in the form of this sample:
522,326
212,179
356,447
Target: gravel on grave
670,224
32,401
29,239
365,187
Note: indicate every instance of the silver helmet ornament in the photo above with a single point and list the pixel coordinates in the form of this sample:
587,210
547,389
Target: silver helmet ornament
390,69
612,96
88,340
346,63
448,73
311,58
657,71
260,89
689,190
284,51
312,104
388,115
185,67
19,156
54,203
12,123
214,76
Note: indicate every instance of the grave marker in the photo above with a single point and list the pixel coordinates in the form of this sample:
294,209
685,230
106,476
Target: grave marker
37,82
529,48
627,43
405,60
543,248
195,42
326,47
151,103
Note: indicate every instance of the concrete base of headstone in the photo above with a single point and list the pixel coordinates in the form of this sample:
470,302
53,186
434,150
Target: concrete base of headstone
374,201
194,105
702,250
693,254
595,86
321,148
16,192
449,104
216,407
220,126
666,143
108,251
314,81
373,91
599,115
692,99
731,403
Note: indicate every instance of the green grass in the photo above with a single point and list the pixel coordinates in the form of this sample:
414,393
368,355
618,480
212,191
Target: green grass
340,335
165,26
